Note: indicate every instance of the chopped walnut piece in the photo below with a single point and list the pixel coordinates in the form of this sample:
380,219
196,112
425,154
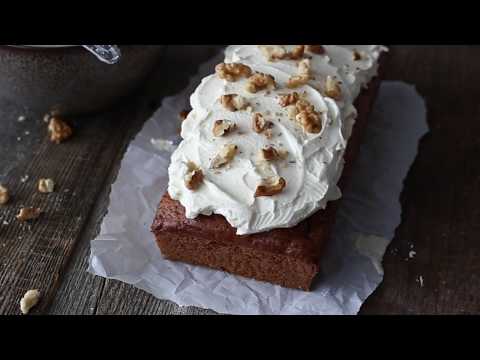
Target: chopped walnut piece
271,154
260,125
46,186
296,53
233,72
183,114
356,55
310,122
233,102
224,156
273,52
315,49
297,81
4,195
29,300
304,68
28,213
289,99
259,81
271,187
333,89
59,130
194,176
223,127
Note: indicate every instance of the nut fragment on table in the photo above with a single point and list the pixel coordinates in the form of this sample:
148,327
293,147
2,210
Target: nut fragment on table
232,72
223,127
4,195
59,130
271,187
194,176
224,156
46,186
29,213
29,300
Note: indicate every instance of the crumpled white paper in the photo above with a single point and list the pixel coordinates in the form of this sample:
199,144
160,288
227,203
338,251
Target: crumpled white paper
370,212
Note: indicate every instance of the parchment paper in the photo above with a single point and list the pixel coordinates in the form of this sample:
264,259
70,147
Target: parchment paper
370,212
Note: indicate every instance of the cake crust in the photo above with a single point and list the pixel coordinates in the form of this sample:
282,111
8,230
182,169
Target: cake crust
287,257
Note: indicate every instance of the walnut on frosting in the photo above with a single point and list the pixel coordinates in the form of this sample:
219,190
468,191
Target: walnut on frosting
260,125
288,99
332,88
303,75
259,82
296,53
233,72
269,153
223,127
193,177
315,49
224,156
357,56
273,52
233,102
271,187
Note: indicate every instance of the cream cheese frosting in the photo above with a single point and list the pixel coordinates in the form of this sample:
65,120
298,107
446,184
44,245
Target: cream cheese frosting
312,163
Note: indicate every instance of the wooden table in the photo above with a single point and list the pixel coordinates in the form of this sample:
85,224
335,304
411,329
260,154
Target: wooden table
441,212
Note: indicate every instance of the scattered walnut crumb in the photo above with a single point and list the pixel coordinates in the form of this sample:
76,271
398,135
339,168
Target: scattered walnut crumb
271,187
59,130
223,127
288,99
233,102
29,300
333,89
46,186
269,153
260,81
28,213
315,49
183,114
4,195
224,156
194,176
233,72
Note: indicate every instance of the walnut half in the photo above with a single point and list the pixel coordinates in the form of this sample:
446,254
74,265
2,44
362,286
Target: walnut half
303,75
224,156
260,125
259,82
233,102
289,99
194,176
232,72
4,195
271,187
223,127
269,153
59,130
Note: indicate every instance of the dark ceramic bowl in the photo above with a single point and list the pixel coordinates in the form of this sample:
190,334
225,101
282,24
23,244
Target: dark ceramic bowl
69,80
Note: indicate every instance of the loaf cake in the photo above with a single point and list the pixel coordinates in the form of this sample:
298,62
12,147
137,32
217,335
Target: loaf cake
266,150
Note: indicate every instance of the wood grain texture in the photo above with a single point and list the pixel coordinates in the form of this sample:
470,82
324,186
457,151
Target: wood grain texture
440,200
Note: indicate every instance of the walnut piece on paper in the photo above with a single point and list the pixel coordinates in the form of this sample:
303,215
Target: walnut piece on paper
4,195
46,186
194,176
259,82
233,102
333,89
224,156
29,213
59,130
29,301
232,72
271,187
223,127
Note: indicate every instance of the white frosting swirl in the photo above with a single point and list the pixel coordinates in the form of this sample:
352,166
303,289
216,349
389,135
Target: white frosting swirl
315,161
